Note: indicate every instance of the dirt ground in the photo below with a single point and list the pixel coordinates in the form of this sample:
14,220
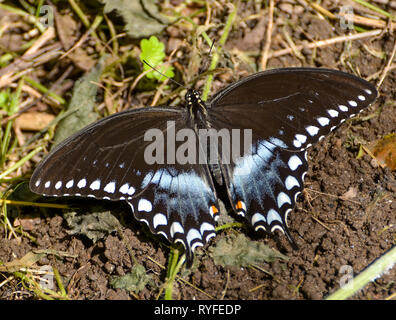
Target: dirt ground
345,217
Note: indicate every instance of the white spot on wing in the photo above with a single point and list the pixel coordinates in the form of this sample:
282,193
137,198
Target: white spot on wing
361,98
145,205
124,188
323,121
333,113
131,190
294,162
291,182
352,103
312,130
159,220
297,143
192,235
82,183
58,185
301,138
257,217
282,199
47,184
110,187
70,184
272,215
95,185
176,227
343,108
206,227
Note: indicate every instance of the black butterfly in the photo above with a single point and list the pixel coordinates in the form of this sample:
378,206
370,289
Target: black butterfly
287,110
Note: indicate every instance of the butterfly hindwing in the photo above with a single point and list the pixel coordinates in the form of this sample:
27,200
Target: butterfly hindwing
182,207
267,195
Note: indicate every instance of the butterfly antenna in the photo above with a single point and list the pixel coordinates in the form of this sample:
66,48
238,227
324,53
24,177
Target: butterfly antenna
211,47
174,81
209,54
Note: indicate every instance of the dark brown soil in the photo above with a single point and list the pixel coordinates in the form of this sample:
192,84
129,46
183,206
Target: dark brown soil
345,217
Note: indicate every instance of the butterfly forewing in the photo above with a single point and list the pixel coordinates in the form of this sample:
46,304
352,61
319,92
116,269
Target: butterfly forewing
293,107
91,161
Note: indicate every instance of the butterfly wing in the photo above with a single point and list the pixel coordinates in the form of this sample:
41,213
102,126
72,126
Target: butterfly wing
115,159
287,110
293,106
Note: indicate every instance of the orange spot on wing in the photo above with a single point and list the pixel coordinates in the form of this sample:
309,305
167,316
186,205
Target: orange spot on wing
239,205
214,210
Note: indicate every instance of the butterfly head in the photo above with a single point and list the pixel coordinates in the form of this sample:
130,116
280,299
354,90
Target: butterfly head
193,97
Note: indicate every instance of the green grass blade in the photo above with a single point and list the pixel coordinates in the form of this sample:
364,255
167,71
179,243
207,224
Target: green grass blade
372,272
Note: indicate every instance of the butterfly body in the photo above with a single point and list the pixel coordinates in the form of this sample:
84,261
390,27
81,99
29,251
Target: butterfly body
262,126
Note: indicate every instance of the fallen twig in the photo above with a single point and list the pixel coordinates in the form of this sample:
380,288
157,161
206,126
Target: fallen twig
326,42
267,44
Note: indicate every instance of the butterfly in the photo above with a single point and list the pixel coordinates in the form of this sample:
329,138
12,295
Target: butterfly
139,155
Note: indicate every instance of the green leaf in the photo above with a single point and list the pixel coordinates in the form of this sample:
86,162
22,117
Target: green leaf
153,51
4,99
134,281
80,111
94,225
141,18
239,251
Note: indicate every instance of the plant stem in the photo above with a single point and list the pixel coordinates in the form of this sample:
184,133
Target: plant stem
374,271
20,162
215,57
44,90
171,272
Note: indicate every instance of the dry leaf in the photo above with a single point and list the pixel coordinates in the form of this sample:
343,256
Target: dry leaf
27,224
384,151
34,121
67,28
350,194
26,261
